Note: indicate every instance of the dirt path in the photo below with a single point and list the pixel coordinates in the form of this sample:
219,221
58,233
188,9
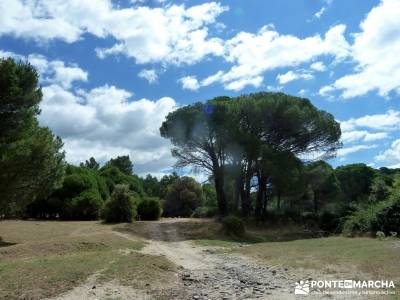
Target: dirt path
205,274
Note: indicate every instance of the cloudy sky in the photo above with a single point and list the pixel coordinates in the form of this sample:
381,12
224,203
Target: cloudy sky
112,69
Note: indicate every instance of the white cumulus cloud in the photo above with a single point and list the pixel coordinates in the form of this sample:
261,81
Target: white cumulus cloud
292,75
375,53
149,74
104,122
171,34
189,83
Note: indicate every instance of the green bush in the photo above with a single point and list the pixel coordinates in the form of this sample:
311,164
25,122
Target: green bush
205,212
120,207
233,226
76,183
183,197
149,209
388,219
383,216
86,206
329,221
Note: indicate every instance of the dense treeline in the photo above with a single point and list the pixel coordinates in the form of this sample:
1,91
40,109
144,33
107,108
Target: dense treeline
264,154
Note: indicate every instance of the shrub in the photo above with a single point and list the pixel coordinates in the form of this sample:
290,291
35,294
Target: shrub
74,184
309,219
388,219
329,221
205,212
183,197
233,226
120,207
383,216
86,206
149,209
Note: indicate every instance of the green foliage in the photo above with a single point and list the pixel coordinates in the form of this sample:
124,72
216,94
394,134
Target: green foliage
151,186
149,208
20,95
123,163
355,181
80,197
388,219
208,135
380,190
31,160
91,164
233,225
120,207
205,212
382,216
324,185
183,197
330,221
85,206
114,176
210,195
155,188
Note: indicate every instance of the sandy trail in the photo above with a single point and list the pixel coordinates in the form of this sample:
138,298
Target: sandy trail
203,272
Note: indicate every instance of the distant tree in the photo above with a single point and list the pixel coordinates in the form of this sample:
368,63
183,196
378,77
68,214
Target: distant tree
165,182
20,96
227,131
31,160
356,181
123,163
199,133
183,197
323,183
80,197
114,176
91,164
285,173
380,190
31,168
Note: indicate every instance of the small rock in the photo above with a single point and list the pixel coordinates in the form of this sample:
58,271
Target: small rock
93,287
196,297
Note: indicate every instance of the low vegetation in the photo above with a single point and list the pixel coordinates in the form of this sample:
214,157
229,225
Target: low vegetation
121,207
44,258
149,209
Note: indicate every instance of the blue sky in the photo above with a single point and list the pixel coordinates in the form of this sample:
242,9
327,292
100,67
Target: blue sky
112,70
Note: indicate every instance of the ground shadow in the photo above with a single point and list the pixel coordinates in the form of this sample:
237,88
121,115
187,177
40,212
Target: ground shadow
6,244
175,230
